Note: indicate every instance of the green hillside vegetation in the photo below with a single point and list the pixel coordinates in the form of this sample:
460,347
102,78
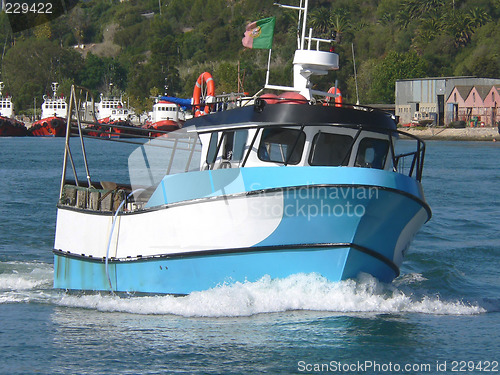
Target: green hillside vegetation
137,44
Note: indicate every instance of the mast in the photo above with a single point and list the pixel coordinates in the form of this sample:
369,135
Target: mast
54,85
308,62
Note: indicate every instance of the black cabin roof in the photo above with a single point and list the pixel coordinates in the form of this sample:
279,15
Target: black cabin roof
295,114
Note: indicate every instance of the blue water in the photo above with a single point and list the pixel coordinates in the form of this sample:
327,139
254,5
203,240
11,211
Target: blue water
445,306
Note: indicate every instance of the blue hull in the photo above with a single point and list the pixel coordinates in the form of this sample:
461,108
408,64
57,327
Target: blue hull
186,275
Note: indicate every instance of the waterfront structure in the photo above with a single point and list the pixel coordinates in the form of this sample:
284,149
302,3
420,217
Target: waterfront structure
474,105
427,98
491,104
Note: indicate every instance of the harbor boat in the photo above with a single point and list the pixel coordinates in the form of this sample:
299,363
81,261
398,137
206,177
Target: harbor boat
9,126
167,115
53,117
266,186
113,118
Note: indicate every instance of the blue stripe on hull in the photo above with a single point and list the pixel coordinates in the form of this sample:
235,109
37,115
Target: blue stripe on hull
185,275
372,218
183,187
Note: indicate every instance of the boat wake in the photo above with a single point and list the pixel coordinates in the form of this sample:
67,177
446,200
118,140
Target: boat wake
24,282
32,283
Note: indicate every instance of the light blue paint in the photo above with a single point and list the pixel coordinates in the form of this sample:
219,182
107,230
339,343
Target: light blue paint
183,276
203,184
375,222
164,191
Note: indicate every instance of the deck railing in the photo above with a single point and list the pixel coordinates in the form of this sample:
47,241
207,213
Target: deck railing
405,162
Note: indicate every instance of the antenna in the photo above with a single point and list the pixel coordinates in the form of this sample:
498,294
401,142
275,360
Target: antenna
306,62
301,9
355,76
54,88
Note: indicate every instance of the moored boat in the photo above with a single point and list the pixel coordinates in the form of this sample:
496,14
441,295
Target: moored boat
275,185
113,118
166,116
9,126
53,117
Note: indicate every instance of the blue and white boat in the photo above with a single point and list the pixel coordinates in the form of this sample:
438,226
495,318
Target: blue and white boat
269,185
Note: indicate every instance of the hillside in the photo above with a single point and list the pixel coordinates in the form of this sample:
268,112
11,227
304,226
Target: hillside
137,44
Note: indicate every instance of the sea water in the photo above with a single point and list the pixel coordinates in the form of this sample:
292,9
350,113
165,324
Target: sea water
442,315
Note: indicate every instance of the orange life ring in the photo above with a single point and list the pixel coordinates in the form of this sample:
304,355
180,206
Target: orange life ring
204,79
338,98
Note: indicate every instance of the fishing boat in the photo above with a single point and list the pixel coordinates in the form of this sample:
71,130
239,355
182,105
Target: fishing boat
53,117
113,118
167,115
284,182
9,126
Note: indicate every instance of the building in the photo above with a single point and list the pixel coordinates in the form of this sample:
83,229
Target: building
457,99
491,105
425,100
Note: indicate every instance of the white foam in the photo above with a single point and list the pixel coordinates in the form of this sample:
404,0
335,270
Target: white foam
17,276
297,292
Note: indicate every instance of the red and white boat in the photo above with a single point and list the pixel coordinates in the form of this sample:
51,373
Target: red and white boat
165,117
54,114
113,112
9,126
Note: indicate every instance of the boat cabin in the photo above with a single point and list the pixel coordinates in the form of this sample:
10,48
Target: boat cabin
107,105
164,110
283,135
119,114
54,107
6,107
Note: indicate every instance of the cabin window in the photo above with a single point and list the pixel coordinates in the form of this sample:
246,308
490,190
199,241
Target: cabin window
372,153
282,145
330,149
212,148
234,144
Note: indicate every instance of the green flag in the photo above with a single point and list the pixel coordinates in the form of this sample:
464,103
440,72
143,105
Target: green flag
260,34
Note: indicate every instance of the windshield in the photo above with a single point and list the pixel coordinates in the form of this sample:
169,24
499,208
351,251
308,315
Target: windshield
175,152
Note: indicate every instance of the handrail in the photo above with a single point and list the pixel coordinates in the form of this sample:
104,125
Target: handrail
74,101
415,169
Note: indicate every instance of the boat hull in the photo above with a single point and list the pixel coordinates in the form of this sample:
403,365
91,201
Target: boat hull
12,128
48,127
241,230
184,275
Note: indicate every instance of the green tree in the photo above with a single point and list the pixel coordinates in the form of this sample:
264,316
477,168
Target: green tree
395,66
320,19
43,62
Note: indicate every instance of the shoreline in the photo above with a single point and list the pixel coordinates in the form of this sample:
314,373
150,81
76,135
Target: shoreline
452,134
